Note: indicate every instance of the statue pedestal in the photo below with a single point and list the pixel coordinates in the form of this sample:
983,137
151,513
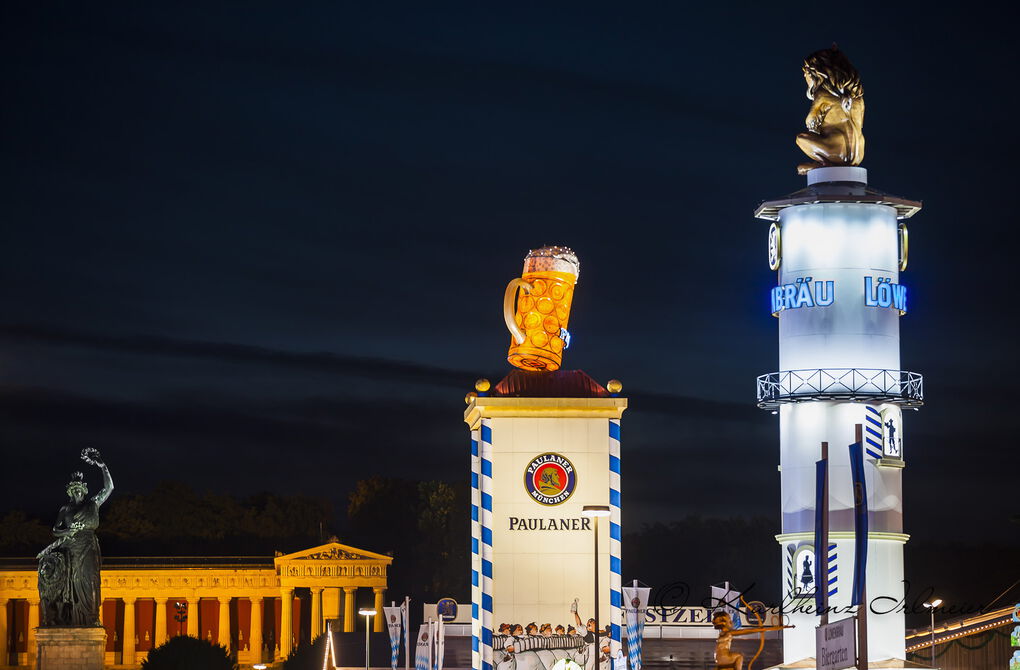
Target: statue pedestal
70,648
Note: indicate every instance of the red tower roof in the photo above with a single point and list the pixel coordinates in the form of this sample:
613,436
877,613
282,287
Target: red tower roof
559,384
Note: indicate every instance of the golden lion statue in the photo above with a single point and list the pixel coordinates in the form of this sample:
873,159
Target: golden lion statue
835,124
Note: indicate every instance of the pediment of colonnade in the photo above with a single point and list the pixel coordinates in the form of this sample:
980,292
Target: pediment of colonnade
333,564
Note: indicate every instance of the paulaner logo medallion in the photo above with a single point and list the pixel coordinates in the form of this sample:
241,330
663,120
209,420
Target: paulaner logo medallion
550,479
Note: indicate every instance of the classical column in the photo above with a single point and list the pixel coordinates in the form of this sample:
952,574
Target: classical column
349,592
4,651
33,623
286,620
128,645
159,635
316,612
255,631
379,620
192,611
331,603
224,634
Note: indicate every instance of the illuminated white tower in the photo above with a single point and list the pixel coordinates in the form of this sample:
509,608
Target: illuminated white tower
838,247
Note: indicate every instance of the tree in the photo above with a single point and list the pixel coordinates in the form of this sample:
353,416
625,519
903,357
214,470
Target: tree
307,656
443,524
188,653
175,519
20,534
426,526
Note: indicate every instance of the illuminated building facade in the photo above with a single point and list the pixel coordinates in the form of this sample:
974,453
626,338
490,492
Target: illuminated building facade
838,247
259,608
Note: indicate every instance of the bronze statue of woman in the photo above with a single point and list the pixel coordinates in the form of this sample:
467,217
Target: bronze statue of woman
69,567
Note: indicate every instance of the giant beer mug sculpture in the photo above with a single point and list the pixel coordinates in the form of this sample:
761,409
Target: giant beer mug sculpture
536,308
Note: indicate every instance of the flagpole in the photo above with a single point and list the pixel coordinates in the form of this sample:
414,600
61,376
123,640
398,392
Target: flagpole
862,608
822,559
440,643
432,641
407,632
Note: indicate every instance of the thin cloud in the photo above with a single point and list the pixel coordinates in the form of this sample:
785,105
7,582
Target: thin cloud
332,363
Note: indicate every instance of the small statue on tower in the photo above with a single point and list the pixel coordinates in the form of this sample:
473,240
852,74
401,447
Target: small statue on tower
835,124
725,658
806,578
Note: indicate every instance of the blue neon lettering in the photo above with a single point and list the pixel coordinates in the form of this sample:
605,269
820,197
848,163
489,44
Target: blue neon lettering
825,293
884,293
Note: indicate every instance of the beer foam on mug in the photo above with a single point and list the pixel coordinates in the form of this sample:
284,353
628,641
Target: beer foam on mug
552,259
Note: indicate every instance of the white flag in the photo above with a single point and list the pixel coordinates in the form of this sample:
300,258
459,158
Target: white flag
635,601
422,648
728,599
440,643
407,629
394,621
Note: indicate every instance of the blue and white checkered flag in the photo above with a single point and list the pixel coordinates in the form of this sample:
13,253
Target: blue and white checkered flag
394,619
635,602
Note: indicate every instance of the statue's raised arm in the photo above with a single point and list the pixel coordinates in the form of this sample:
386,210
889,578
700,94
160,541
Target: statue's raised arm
92,457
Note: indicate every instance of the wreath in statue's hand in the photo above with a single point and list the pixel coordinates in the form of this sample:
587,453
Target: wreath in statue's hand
91,456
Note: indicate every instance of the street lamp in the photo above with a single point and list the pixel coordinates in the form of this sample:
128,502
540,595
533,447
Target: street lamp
180,616
932,604
594,512
368,614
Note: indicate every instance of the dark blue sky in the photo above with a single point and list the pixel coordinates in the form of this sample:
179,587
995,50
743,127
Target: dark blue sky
264,248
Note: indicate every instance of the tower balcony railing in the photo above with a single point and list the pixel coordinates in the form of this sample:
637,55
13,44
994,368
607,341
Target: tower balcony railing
848,384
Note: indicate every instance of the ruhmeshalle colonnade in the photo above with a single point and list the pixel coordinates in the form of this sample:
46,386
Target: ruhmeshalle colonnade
259,608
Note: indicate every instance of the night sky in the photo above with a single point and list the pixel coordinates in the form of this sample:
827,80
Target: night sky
265,248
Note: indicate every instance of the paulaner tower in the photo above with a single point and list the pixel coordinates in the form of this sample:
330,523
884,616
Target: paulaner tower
545,466
839,247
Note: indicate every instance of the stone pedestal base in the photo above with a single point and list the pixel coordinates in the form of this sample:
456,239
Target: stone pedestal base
70,648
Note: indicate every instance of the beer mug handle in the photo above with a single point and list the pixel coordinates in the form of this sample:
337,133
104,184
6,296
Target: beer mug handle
509,298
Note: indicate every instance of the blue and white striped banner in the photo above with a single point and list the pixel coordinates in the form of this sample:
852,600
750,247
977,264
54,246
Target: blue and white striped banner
637,603
423,649
790,572
873,432
486,529
394,620
615,537
476,551
833,573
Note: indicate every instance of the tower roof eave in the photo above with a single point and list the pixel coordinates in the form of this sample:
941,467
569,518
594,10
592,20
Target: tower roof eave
846,192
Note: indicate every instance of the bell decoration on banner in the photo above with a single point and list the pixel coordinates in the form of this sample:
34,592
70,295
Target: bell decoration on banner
536,308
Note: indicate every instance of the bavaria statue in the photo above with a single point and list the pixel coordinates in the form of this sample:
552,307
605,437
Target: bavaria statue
69,567
835,124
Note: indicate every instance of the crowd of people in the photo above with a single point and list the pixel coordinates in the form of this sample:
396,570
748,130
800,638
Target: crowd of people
554,642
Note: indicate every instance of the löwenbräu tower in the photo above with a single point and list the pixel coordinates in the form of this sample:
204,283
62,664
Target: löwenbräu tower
838,247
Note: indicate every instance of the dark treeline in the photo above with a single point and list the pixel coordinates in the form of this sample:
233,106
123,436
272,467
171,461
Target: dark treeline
682,558
425,526
175,520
